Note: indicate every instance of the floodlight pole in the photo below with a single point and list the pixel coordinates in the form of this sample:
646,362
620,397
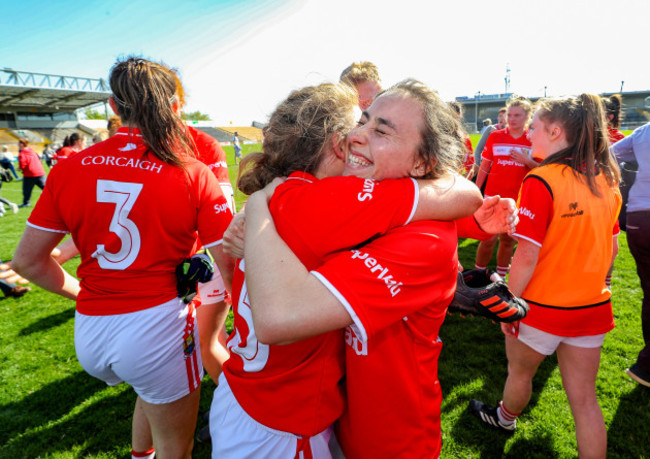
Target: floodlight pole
476,109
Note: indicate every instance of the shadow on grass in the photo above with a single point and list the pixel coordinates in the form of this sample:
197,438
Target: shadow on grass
473,365
46,405
48,322
627,435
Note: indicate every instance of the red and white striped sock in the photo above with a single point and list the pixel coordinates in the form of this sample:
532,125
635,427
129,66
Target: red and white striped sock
149,454
476,266
503,271
506,417
608,281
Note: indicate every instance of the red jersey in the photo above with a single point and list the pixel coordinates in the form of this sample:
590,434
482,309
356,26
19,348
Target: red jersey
469,154
29,163
573,229
506,174
296,387
614,135
397,289
63,153
133,218
210,153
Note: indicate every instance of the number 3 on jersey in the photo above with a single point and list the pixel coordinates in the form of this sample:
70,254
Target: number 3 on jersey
123,195
254,355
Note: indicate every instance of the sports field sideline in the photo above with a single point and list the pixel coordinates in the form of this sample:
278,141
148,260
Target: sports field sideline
49,407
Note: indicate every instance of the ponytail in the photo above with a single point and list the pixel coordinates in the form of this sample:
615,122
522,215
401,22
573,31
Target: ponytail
144,92
585,127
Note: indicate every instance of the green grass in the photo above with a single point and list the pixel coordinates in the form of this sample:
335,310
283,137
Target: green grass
50,408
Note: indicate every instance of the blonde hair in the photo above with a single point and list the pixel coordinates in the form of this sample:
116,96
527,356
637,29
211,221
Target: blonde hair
299,133
520,101
583,121
358,72
442,147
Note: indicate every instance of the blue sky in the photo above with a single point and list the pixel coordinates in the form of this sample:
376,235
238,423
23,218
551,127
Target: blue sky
239,58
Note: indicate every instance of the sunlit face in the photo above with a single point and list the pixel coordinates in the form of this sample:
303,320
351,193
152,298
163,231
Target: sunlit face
367,91
539,134
385,142
516,118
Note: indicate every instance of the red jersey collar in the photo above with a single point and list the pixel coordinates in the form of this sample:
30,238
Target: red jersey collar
306,176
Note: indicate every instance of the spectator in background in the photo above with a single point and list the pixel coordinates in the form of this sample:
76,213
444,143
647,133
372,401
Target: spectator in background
506,161
487,122
485,133
114,123
364,78
48,154
237,146
468,161
636,147
7,161
32,168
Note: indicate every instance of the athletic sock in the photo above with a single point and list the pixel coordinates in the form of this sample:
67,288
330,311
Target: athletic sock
149,454
608,281
476,266
506,417
503,270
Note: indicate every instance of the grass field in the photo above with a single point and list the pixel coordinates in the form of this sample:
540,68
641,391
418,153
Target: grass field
50,408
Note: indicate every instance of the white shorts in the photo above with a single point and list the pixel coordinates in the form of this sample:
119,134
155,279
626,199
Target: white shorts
235,434
547,343
155,350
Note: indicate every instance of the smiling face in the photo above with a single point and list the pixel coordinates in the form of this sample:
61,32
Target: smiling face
385,143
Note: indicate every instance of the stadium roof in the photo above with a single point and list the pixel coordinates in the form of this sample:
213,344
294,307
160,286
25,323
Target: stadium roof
43,93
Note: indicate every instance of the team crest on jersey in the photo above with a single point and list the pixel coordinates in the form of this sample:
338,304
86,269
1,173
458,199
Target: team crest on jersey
188,344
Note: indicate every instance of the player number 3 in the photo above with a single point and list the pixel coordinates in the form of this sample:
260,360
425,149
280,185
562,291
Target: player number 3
123,195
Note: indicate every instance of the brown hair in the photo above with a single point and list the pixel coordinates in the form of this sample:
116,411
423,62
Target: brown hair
298,134
144,92
442,147
24,141
613,106
584,124
358,72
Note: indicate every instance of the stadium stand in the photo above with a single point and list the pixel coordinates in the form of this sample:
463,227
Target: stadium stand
636,108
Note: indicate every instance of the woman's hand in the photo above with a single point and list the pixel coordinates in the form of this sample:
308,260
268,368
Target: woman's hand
11,276
511,329
497,215
233,238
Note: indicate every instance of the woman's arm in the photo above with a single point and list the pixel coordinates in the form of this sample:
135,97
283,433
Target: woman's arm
478,151
483,172
288,303
33,260
225,263
523,266
447,198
